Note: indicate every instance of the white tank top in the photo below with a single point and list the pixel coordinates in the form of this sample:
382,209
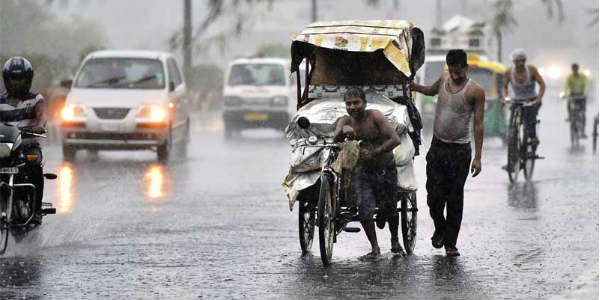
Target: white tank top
453,115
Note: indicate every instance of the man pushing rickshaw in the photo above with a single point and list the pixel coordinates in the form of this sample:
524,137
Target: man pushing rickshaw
355,133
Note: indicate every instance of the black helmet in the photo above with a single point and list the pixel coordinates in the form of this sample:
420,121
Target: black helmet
17,68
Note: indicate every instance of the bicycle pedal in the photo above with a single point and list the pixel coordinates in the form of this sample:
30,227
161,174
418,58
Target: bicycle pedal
46,204
49,211
50,176
351,229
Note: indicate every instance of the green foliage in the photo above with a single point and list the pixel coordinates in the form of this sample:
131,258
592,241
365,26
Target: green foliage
54,47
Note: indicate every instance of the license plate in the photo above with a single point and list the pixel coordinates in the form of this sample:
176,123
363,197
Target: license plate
109,127
256,117
11,170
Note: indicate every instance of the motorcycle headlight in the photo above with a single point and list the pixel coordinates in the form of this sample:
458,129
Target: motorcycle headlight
279,100
72,112
5,149
152,113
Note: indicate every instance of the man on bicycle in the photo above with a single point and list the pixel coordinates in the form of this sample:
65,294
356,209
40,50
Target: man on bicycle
523,79
577,86
374,178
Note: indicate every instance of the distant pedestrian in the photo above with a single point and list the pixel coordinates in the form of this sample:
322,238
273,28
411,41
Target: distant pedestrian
449,156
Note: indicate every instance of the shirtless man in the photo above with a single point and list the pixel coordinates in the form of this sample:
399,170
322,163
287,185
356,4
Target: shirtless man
460,99
374,177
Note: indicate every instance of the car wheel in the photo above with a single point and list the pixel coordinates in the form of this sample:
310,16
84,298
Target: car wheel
69,152
163,151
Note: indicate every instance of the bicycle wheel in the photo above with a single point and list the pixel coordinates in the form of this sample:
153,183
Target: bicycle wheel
306,225
325,220
528,155
4,226
408,217
574,122
513,153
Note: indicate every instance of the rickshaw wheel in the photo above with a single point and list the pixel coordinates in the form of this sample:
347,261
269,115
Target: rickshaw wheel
408,216
306,225
325,219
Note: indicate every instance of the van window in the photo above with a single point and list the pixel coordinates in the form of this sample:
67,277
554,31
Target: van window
174,74
121,73
256,74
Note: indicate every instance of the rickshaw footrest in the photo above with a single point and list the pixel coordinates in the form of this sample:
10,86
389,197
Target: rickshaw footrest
351,229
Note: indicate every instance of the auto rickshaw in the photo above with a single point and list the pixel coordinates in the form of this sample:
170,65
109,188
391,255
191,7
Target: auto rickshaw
379,57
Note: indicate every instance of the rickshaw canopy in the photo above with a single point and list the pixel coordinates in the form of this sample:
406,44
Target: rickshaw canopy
360,52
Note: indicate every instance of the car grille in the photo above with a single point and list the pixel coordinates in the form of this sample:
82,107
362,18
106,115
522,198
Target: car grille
111,136
111,113
256,100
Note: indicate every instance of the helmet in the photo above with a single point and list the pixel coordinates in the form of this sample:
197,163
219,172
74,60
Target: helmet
17,68
518,54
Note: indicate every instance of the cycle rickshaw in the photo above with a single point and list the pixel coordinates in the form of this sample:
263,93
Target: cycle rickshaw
380,57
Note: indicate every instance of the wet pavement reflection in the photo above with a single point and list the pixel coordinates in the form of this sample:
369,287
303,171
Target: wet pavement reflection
217,226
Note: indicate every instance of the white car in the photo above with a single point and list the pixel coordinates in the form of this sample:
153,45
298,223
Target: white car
126,100
258,93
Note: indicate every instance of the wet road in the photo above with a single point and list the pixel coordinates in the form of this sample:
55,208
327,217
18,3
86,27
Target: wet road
218,227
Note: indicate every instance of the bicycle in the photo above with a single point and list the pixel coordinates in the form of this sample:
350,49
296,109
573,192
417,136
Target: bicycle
576,118
521,150
595,135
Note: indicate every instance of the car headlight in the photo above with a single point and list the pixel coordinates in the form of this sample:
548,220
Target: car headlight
279,100
72,112
153,114
233,101
5,149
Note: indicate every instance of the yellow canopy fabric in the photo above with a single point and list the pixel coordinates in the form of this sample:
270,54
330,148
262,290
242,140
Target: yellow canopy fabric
391,36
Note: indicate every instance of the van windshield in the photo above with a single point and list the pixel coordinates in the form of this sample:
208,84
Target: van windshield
256,74
121,73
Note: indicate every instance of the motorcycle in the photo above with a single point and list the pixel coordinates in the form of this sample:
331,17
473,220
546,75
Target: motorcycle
17,192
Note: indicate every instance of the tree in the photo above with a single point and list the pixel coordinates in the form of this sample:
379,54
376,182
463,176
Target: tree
503,17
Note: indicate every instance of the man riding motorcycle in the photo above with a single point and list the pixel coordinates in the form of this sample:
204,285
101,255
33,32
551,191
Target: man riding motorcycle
577,86
24,109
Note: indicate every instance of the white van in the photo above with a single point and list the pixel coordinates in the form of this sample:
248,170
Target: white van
126,100
258,93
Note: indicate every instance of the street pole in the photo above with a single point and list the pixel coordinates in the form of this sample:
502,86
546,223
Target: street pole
438,13
187,37
314,10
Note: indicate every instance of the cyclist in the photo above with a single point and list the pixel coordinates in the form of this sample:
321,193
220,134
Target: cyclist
577,86
523,79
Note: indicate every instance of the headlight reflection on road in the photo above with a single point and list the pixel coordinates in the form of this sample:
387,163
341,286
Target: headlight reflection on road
65,182
155,181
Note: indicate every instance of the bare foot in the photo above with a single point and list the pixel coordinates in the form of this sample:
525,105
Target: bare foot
373,255
396,248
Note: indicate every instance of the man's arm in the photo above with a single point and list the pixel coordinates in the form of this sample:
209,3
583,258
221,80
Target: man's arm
430,90
541,83
505,81
339,130
479,102
390,137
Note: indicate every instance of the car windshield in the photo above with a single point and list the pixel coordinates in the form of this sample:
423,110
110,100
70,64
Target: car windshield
121,73
257,74
483,77
433,70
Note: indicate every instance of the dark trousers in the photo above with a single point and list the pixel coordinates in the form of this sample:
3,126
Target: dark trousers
447,170
530,119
